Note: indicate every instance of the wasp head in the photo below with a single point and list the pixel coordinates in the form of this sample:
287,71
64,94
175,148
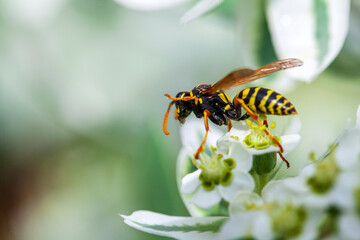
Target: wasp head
183,108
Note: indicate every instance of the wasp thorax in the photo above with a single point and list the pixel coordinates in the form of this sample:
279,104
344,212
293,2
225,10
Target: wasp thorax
183,108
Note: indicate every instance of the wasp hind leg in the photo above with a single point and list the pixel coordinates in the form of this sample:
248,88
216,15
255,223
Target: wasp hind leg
255,117
206,123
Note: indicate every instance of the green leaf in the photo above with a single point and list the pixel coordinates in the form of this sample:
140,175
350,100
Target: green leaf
175,227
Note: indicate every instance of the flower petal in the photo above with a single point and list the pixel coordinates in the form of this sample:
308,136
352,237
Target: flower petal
294,189
294,126
243,200
348,150
243,158
190,182
349,226
251,224
289,142
313,31
240,181
192,133
206,199
175,227
199,9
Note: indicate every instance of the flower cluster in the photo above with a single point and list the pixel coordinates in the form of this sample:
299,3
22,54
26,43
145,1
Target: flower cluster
233,191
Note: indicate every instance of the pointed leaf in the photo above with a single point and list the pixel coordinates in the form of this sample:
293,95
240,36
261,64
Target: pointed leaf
175,227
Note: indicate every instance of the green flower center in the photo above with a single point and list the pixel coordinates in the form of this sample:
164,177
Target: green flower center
325,176
287,220
257,137
215,170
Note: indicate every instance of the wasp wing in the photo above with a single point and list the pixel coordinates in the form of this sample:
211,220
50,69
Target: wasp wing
246,75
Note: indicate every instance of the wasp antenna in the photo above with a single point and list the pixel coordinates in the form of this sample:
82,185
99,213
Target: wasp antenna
166,118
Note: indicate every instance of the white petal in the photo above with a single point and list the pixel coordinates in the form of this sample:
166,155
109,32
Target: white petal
206,199
295,33
254,151
148,5
294,126
240,181
242,200
342,193
199,9
236,135
262,227
247,224
175,227
348,150
294,189
349,226
190,182
289,142
193,131
242,157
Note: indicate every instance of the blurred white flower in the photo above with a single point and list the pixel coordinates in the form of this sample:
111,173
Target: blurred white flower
277,214
313,31
35,12
148,5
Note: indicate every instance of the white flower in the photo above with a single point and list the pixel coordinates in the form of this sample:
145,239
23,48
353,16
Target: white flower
220,175
277,214
214,180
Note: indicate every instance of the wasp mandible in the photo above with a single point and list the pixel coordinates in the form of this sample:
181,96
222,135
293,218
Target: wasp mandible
211,102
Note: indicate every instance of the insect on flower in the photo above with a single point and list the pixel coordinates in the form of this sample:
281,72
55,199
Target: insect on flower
211,102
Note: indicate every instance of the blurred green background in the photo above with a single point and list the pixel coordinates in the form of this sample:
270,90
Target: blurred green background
82,86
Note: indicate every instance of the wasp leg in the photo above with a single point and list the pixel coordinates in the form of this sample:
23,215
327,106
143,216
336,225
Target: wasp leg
206,115
166,118
255,117
266,123
229,125
244,117
283,158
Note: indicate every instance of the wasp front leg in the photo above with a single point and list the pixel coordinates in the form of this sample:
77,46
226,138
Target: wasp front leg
206,123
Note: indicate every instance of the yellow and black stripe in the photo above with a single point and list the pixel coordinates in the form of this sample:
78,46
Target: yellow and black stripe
265,101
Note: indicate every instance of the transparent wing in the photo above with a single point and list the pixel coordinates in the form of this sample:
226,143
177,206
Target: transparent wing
246,75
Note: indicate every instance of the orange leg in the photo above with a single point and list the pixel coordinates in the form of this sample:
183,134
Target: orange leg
229,125
166,118
180,99
266,124
255,117
206,114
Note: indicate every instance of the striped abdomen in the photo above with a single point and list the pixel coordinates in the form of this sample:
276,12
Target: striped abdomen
266,101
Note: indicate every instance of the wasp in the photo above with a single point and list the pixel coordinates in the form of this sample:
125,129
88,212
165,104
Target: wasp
211,102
